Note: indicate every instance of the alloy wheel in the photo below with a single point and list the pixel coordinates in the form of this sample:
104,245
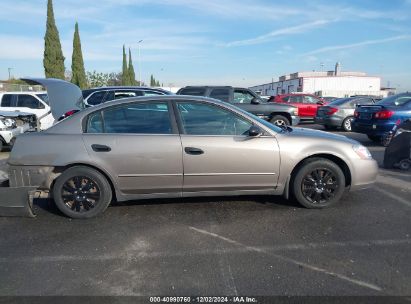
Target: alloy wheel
319,186
80,194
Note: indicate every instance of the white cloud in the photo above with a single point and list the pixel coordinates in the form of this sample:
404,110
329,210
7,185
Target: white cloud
358,44
280,32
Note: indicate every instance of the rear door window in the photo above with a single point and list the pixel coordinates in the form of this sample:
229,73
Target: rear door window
6,100
132,118
220,94
96,98
296,99
28,101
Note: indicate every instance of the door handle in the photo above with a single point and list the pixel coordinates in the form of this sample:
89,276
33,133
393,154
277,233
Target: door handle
193,151
100,148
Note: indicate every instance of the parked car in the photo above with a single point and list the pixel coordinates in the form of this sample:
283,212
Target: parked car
180,146
340,112
379,119
96,96
307,104
329,99
28,102
398,152
13,124
280,115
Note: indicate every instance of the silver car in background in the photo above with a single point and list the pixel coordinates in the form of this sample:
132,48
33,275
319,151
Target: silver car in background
340,112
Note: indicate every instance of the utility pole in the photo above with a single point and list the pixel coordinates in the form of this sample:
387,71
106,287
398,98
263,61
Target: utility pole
139,62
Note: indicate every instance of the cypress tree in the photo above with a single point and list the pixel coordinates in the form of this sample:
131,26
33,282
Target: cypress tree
125,79
53,61
77,63
152,83
131,73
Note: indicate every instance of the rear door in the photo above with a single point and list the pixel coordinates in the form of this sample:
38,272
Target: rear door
218,156
139,145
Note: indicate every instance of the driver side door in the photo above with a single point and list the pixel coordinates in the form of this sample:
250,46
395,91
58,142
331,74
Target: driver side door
219,156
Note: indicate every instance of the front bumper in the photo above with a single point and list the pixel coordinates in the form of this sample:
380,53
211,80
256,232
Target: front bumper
295,120
364,174
8,135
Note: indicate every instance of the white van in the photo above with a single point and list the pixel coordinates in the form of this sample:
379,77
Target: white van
29,102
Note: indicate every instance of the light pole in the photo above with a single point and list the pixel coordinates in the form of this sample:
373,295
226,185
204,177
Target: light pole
139,62
10,72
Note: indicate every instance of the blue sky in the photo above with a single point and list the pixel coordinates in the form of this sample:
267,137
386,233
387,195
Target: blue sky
233,42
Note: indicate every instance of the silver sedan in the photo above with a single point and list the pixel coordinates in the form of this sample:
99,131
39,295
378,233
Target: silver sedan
183,146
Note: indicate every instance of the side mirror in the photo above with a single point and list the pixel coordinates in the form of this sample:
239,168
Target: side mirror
255,101
321,103
255,131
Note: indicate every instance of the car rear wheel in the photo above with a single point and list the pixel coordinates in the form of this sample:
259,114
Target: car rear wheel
1,145
82,192
280,121
346,125
319,183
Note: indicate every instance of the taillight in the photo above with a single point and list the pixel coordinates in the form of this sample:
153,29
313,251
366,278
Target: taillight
384,114
69,113
356,114
331,111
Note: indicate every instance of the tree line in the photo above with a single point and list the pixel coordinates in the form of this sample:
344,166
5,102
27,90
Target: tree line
53,61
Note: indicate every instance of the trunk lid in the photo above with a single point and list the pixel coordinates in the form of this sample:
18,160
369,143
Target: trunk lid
63,96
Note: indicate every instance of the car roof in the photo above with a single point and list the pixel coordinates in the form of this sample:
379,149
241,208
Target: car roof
124,88
27,92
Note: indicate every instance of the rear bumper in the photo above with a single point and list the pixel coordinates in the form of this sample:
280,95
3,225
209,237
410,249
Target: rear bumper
329,121
16,201
364,174
373,128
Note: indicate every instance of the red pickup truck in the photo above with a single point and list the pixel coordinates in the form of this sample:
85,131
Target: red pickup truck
307,104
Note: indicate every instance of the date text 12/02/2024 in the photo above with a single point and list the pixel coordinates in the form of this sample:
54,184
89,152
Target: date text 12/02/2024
234,299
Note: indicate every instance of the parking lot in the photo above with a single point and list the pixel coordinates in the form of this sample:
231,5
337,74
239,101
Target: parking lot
217,246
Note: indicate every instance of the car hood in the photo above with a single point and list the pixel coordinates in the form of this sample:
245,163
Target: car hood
317,134
63,96
14,114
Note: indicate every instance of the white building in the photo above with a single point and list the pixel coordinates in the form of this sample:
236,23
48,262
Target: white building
331,83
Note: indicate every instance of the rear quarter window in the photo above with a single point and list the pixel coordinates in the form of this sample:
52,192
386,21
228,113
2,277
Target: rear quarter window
193,91
220,94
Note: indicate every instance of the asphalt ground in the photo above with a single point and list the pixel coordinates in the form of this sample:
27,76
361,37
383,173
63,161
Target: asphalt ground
218,246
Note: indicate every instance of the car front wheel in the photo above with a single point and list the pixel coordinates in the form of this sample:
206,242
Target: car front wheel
82,192
280,121
318,183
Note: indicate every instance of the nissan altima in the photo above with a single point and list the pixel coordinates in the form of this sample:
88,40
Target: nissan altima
183,146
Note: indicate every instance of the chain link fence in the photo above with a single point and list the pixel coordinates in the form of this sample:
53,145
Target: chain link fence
11,87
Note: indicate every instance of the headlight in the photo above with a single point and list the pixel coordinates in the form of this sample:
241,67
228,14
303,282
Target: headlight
362,152
7,124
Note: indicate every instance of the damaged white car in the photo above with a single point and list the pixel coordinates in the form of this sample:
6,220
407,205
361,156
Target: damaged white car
13,124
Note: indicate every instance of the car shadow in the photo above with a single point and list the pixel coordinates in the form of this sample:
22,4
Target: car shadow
48,205
264,200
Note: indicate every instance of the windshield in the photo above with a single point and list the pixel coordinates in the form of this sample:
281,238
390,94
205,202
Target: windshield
44,97
396,100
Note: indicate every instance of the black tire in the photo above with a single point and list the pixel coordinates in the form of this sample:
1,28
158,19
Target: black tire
87,193
375,138
1,145
280,120
347,124
311,190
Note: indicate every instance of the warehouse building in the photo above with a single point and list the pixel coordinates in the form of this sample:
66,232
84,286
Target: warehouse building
330,83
